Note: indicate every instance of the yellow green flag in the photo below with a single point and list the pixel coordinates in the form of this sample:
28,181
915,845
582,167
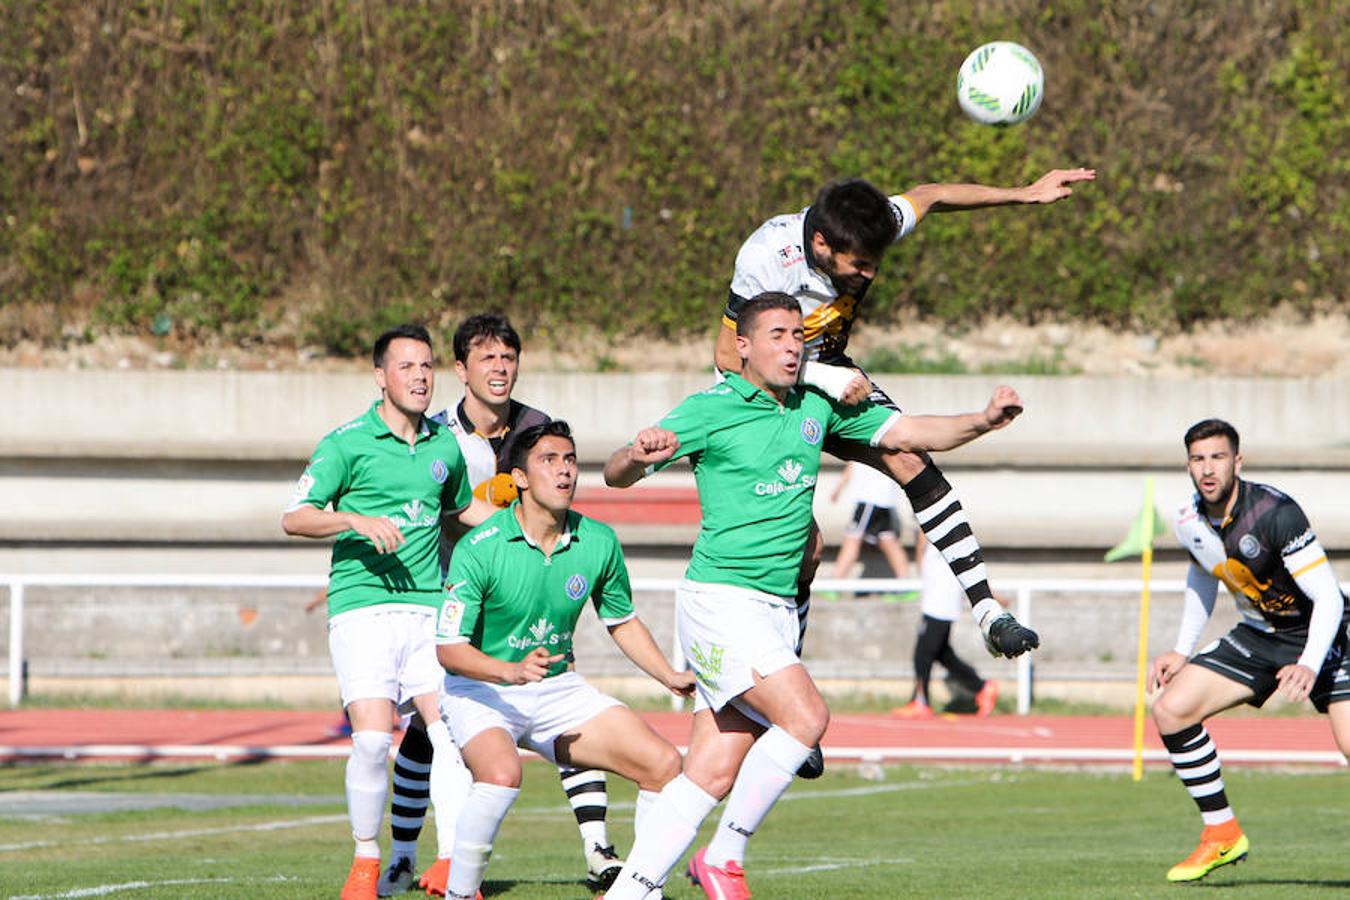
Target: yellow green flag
1147,526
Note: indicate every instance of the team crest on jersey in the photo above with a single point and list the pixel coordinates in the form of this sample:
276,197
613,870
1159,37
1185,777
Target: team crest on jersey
576,586
1249,546
439,471
811,431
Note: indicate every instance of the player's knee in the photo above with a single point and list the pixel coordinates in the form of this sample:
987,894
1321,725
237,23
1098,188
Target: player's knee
661,769
715,777
370,749
500,773
1171,713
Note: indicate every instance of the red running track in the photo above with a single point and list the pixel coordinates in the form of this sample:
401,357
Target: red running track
1096,740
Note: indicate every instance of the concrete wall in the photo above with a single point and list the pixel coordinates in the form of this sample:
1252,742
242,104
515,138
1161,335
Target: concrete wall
129,456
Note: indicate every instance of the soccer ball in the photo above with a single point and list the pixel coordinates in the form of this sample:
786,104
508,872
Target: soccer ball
1000,83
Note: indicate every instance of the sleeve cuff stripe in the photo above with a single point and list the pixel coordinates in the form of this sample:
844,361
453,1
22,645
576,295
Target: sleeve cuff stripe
885,427
1312,565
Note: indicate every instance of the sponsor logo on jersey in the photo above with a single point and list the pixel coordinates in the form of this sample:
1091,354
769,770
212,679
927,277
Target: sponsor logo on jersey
483,535
576,586
790,471
1249,546
415,515
811,431
790,255
1298,543
302,489
439,471
542,634
452,613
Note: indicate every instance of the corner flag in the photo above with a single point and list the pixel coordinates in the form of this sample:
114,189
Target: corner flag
1147,527
1139,542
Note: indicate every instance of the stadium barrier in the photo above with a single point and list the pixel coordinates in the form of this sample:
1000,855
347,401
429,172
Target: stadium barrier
1024,590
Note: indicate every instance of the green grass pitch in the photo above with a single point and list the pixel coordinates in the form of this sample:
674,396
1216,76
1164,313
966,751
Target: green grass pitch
906,832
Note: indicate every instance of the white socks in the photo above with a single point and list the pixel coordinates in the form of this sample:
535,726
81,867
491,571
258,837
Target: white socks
450,786
668,828
368,787
765,774
477,830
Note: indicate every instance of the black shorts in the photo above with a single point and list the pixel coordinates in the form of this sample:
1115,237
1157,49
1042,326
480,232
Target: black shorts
871,522
1252,657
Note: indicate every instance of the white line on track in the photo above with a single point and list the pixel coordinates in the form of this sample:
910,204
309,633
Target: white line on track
831,865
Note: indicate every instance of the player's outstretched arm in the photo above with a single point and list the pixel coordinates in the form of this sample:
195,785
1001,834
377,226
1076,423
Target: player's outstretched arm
637,644
1053,185
629,463
308,521
465,659
912,433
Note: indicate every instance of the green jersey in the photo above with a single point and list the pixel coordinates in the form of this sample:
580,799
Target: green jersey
755,461
506,597
362,467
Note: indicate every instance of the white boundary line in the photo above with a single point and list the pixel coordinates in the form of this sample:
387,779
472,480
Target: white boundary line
104,890
840,754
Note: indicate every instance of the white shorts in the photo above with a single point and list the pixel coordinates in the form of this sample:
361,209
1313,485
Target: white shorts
385,652
730,633
533,714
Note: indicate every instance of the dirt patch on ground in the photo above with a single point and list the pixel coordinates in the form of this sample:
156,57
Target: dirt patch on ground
1284,344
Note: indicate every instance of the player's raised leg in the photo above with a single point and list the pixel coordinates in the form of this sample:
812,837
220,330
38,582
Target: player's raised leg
1191,697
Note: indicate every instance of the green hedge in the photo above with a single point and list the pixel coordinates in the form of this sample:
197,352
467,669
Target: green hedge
311,172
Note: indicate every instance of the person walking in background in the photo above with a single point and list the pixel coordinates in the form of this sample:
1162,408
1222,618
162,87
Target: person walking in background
942,603
875,520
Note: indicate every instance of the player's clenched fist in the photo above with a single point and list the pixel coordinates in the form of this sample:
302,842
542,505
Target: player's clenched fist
654,445
1003,407
383,533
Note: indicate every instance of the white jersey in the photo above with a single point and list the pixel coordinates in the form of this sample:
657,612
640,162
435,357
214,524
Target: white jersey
866,485
776,257
942,595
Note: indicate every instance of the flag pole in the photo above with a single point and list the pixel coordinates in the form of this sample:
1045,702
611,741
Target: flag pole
1142,673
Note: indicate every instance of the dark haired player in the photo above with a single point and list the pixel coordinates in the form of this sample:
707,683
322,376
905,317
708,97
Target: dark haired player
485,422
517,587
1292,638
389,476
755,445
826,257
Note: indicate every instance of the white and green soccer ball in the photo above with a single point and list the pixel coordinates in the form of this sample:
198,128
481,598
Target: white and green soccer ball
1000,83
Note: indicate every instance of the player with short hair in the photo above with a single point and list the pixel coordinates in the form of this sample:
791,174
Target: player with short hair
517,587
485,422
1294,636
755,442
826,256
389,476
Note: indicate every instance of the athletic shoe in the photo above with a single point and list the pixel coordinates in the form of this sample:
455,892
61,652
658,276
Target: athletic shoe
361,880
724,883
813,766
399,877
986,698
437,878
602,867
1005,636
1219,846
914,709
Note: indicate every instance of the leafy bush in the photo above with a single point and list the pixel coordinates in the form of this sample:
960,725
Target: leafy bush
594,167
